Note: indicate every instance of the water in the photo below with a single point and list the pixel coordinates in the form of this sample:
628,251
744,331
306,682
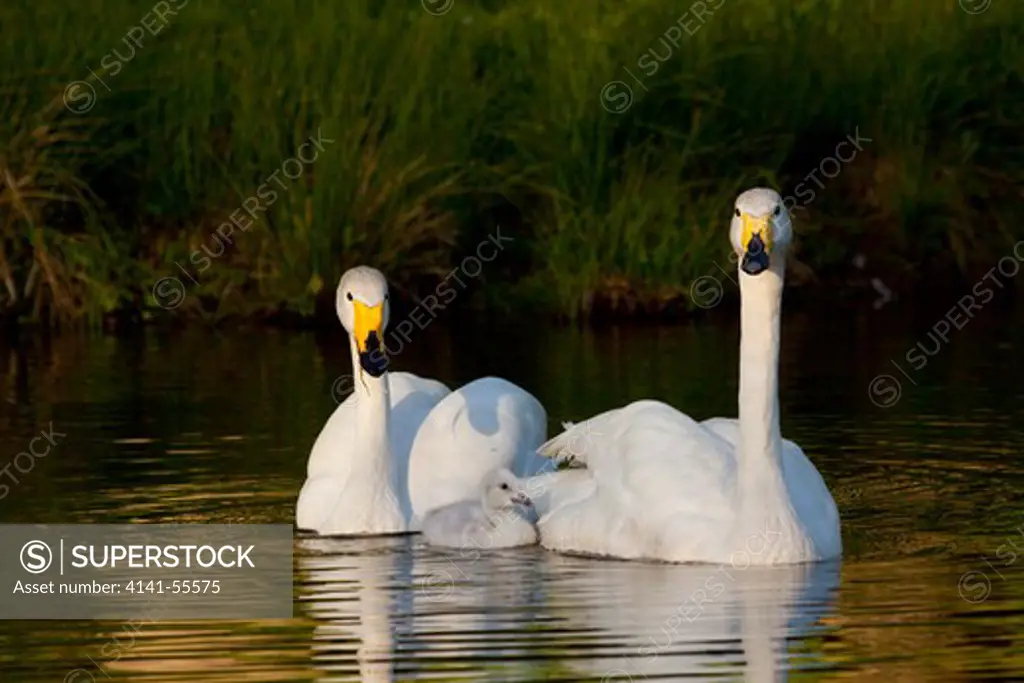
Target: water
216,426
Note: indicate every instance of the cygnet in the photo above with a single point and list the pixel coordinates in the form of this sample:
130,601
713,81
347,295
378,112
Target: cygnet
492,521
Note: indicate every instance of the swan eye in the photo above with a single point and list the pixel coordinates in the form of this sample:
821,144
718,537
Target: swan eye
737,213
348,295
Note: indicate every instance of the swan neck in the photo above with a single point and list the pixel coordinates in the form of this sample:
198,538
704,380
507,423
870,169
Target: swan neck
376,654
760,443
372,418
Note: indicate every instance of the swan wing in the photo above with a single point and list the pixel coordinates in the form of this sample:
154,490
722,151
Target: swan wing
658,480
578,439
622,448
486,424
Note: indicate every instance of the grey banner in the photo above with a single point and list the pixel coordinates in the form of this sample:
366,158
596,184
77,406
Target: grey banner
151,572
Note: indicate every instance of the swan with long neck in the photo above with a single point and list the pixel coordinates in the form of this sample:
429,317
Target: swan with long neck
358,468
657,485
401,445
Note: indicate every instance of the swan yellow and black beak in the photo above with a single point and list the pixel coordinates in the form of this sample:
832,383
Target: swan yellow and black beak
369,334
757,244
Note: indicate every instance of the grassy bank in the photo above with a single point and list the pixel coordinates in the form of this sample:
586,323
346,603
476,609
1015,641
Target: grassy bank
432,129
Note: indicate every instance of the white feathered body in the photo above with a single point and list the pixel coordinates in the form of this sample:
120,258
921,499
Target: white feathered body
664,487
341,495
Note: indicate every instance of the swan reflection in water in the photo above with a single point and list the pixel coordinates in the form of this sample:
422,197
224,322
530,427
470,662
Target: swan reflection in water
655,621
526,614
349,588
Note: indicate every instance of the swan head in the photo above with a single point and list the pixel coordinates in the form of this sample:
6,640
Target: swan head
502,489
364,310
761,229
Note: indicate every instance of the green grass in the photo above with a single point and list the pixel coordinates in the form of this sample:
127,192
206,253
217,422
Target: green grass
442,126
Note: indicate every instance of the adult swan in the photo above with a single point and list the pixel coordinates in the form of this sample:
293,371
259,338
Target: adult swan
356,477
658,485
402,445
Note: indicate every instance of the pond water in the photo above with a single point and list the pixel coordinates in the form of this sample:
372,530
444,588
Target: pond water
215,426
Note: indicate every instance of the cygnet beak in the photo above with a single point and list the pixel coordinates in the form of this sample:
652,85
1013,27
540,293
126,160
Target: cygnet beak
522,499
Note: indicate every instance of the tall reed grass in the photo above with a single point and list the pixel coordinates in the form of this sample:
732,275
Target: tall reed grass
443,125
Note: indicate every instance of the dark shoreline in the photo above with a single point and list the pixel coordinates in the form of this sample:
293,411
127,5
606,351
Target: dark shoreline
924,301
895,138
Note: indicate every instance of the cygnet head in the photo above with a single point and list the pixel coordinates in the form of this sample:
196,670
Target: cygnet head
503,490
761,230
363,309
